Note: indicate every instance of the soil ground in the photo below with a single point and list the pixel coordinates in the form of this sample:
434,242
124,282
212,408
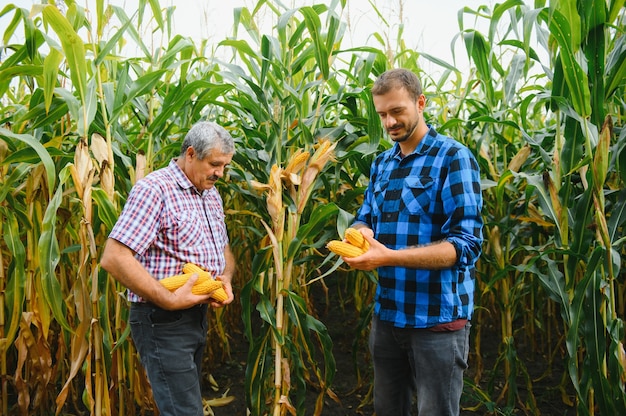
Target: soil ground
354,393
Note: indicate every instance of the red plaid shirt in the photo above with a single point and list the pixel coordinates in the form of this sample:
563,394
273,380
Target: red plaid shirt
167,222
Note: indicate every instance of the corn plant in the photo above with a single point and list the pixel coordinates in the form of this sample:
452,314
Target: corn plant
80,123
290,106
554,223
79,127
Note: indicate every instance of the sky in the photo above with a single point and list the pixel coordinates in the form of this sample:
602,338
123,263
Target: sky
430,26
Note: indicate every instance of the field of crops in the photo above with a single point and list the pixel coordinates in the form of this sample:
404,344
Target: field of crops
542,109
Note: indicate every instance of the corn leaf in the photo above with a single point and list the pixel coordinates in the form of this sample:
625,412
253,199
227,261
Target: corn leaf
49,255
73,48
50,71
318,221
575,78
15,285
41,151
314,26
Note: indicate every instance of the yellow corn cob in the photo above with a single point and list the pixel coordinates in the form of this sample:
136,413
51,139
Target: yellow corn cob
208,286
174,282
355,238
205,283
192,268
344,249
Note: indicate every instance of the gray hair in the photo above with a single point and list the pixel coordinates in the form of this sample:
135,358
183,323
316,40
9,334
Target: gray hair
205,136
398,78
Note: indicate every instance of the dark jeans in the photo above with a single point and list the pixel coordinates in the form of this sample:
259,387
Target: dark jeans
409,362
170,345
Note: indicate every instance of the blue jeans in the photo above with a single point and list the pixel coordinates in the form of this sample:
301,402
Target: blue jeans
170,345
412,362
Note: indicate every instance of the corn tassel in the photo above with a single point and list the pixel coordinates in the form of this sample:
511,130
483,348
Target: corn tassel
354,237
205,283
344,249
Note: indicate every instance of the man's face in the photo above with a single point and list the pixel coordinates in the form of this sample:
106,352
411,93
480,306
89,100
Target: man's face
204,173
399,113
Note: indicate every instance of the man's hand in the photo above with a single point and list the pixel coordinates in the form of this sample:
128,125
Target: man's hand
372,258
184,298
228,288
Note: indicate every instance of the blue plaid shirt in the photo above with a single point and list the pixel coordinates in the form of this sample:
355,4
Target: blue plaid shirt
430,195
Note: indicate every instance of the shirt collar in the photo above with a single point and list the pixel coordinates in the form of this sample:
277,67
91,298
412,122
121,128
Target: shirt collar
422,147
180,177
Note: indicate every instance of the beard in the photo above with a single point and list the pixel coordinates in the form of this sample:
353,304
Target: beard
404,137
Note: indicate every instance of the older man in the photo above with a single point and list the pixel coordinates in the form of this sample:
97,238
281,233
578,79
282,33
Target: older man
173,216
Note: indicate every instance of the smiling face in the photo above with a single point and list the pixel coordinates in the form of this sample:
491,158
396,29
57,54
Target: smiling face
204,173
402,116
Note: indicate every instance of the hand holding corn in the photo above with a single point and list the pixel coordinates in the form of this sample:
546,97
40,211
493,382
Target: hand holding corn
353,246
205,283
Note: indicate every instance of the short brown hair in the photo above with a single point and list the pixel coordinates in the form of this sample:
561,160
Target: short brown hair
398,78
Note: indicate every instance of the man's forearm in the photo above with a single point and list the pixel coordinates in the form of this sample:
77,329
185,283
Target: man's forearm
118,260
229,269
436,256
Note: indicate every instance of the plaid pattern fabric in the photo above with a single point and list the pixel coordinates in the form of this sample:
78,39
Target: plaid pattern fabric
428,196
168,223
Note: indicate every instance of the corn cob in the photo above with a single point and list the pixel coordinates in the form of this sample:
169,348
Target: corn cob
192,268
344,249
208,286
354,237
174,282
205,283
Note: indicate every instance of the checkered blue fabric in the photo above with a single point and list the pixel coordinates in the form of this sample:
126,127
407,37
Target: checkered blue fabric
430,195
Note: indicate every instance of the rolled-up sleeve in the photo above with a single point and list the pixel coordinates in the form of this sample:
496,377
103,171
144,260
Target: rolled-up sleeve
462,200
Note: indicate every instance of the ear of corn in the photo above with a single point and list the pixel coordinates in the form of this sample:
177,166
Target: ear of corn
209,286
192,268
205,283
354,237
344,249
174,282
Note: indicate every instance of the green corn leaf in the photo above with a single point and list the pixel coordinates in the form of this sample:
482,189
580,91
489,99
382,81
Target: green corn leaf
15,294
307,324
595,53
49,255
479,51
615,67
21,70
156,13
567,11
258,370
318,220
574,76
41,151
105,52
106,210
120,13
617,220
314,27
50,71
615,8
10,29
73,48
545,201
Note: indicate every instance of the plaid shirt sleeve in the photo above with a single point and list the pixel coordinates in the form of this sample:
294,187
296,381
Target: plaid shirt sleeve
462,203
139,223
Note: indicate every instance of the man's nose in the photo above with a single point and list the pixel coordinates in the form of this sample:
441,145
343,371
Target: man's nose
390,121
219,172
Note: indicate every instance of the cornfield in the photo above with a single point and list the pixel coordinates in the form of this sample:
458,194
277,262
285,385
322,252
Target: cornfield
542,109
